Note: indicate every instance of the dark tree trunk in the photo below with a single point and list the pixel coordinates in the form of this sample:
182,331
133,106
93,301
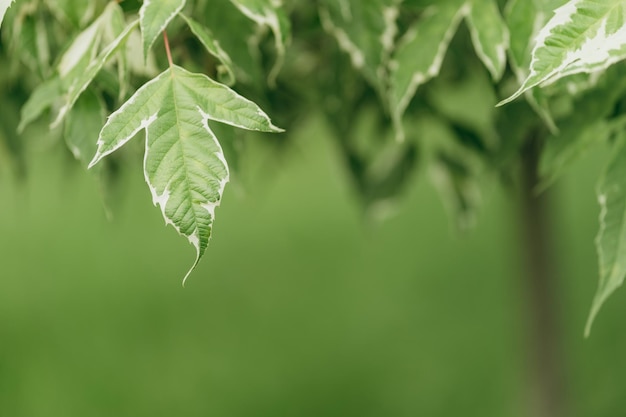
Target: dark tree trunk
545,363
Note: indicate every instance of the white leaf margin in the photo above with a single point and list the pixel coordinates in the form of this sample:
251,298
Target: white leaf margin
4,6
597,53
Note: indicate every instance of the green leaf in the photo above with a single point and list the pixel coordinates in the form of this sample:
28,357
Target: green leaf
490,35
85,78
184,165
4,5
420,53
582,36
271,14
44,96
366,31
611,239
83,125
154,17
211,44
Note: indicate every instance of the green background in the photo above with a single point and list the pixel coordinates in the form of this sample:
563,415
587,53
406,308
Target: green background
301,307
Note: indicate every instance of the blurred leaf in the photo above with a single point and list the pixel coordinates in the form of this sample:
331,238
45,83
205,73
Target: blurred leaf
611,240
84,79
271,14
207,39
366,30
154,17
524,18
455,169
582,36
83,125
184,165
489,35
420,53
585,126
42,97
4,5
221,16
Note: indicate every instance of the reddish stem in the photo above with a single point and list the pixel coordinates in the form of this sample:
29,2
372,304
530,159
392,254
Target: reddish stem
167,48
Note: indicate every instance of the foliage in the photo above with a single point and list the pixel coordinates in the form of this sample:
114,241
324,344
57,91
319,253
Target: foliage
429,79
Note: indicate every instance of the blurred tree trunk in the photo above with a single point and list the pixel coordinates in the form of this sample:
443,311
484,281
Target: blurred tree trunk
545,362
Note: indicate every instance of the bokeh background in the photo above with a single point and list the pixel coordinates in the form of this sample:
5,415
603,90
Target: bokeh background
301,306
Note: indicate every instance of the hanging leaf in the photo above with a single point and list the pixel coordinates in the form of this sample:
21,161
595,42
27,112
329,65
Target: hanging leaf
4,5
490,35
211,44
83,125
366,31
582,36
611,239
85,78
184,165
154,17
41,98
420,53
271,14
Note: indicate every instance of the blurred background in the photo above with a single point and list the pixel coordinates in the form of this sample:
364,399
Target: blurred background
301,306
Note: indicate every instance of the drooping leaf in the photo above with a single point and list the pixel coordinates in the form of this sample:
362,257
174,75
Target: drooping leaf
29,41
222,15
366,31
420,53
85,78
582,36
611,239
4,5
524,19
586,126
154,17
40,99
490,35
75,12
184,165
269,13
211,44
83,125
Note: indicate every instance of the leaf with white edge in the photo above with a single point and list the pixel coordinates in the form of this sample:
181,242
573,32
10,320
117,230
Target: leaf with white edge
211,44
524,19
611,239
184,165
419,55
154,16
43,97
84,79
83,125
366,31
269,13
490,35
84,47
582,36
4,5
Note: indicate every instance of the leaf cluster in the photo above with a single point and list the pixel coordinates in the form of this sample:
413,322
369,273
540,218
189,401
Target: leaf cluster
452,88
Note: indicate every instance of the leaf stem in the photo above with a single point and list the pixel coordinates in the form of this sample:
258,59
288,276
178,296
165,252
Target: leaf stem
167,48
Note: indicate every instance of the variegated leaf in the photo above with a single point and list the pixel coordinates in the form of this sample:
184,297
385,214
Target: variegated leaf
581,36
184,165
490,35
269,13
366,31
212,45
611,239
4,5
85,78
420,53
154,17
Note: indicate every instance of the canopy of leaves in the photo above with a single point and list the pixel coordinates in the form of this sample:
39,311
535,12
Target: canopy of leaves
422,76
